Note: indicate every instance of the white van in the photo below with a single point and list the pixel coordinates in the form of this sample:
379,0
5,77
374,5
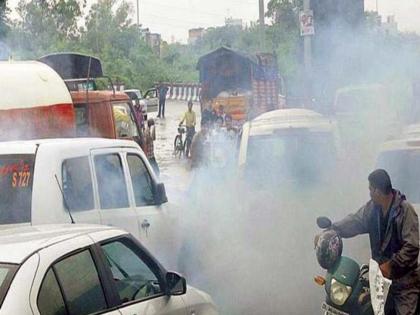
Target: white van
401,159
287,146
87,180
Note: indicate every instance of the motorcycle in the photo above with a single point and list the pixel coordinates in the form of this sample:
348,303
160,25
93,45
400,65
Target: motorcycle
346,284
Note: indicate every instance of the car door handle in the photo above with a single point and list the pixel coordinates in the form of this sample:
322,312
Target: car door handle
145,224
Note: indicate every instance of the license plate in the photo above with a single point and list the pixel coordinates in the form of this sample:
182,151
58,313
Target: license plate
329,310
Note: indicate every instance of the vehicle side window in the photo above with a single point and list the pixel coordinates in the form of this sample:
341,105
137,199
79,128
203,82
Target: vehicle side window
133,279
82,120
125,123
80,283
142,182
77,184
151,93
50,300
111,181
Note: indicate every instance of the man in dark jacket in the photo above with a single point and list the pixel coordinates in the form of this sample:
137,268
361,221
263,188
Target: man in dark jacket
393,229
162,91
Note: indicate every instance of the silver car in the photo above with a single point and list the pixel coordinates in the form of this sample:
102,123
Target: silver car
89,269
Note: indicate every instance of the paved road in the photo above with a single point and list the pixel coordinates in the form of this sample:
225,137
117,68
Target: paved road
175,172
253,253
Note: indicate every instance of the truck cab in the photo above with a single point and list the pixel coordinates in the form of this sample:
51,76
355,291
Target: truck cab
104,114
99,113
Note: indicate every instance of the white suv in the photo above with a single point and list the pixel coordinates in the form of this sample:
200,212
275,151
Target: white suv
85,269
287,146
89,180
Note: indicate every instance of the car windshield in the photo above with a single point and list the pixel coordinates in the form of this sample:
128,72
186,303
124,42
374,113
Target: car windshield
16,174
7,272
404,168
298,156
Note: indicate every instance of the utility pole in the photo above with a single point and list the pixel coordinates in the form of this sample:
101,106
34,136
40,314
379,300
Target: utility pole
262,25
138,15
307,47
261,13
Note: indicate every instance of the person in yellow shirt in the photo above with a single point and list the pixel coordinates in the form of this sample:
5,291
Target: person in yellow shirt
190,121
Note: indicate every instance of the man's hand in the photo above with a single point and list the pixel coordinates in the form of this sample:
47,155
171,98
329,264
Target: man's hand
386,269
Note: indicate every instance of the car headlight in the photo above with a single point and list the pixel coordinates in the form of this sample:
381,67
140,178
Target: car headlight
339,292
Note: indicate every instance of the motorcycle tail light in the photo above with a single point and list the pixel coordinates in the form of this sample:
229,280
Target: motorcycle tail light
319,280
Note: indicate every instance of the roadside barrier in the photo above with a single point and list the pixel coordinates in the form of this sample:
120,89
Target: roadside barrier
183,91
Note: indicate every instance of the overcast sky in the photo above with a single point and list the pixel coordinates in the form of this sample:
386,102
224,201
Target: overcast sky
173,18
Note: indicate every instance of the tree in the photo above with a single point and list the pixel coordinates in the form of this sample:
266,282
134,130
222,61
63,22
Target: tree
45,26
4,22
111,35
285,12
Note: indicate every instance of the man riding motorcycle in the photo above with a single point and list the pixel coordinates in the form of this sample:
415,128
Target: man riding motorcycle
392,225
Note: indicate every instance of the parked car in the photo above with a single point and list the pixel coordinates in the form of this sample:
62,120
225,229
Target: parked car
88,180
89,269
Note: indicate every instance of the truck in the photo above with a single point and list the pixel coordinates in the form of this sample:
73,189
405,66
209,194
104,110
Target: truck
245,86
56,97
99,113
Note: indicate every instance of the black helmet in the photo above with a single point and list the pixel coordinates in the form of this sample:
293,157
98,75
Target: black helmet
328,248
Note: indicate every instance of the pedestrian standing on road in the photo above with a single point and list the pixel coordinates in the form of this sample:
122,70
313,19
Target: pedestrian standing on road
162,91
199,147
221,113
393,228
230,129
150,137
207,113
190,121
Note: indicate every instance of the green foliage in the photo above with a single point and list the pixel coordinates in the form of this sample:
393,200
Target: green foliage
285,13
47,26
107,32
4,22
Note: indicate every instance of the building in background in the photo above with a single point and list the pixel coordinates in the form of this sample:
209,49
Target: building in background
375,23
153,40
195,34
390,26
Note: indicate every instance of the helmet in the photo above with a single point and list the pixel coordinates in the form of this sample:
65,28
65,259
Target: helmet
328,248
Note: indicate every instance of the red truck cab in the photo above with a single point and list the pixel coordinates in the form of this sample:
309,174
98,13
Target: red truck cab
104,114
99,113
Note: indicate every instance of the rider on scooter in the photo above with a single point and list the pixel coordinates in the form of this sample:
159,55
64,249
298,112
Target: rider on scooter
393,228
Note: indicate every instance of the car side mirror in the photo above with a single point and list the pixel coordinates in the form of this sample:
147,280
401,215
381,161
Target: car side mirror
160,196
175,284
